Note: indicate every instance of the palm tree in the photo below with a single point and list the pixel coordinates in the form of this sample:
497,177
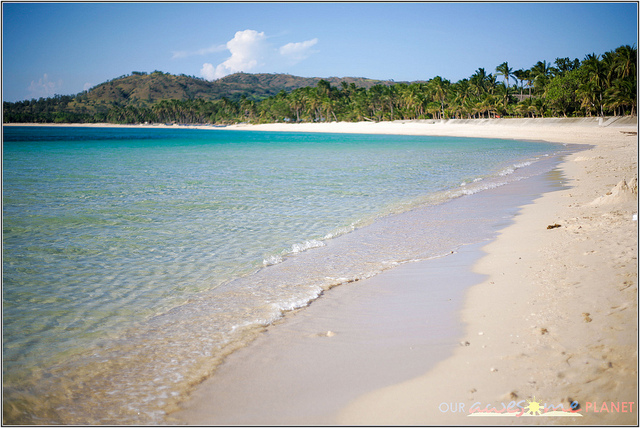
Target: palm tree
587,94
525,107
540,73
625,61
462,93
622,94
491,84
505,71
433,108
478,81
519,76
523,75
597,76
528,76
297,103
539,106
247,108
411,98
439,89
375,102
312,102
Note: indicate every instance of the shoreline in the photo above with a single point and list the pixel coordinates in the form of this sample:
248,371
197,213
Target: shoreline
361,336
528,357
400,127
556,319
556,353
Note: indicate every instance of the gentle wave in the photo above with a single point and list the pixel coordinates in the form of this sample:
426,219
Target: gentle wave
295,249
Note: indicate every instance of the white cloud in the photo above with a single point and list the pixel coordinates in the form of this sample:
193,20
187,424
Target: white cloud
88,86
297,52
208,71
250,50
44,87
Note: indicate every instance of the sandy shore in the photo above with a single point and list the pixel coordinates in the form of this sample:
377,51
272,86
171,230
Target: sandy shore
553,320
556,318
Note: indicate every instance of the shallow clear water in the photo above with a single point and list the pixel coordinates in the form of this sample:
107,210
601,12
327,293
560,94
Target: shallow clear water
134,259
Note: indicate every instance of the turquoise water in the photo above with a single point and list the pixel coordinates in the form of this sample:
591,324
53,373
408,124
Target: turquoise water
134,259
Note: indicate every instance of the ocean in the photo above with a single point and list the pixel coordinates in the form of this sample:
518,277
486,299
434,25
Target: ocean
134,260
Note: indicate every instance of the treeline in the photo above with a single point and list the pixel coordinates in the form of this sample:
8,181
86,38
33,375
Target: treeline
47,110
596,86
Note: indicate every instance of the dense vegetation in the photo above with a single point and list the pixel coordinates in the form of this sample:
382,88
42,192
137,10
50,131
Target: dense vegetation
138,92
596,86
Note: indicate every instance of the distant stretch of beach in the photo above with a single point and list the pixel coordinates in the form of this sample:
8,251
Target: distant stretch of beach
553,319
562,130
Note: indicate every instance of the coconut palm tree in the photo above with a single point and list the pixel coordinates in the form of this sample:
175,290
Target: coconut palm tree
540,73
622,94
505,71
478,81
625,61
412,98
462,93
587,95
521,76
439,89
597,77
297,103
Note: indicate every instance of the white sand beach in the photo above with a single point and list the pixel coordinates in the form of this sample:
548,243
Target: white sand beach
552,316
554,319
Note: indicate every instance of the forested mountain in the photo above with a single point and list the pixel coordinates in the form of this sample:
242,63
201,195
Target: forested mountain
598,85
141,90
260,86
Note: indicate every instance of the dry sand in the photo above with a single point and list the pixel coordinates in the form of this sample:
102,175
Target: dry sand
555,319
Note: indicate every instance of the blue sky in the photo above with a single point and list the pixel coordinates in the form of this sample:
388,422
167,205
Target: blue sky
64,48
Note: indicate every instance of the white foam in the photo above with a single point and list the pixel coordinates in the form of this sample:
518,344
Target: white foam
507,171
523,164
272,260
313,243
298,303
475,180
341,231
514,167
295,249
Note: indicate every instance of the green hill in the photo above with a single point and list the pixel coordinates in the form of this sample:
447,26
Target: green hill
141,90
259,86
145,89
